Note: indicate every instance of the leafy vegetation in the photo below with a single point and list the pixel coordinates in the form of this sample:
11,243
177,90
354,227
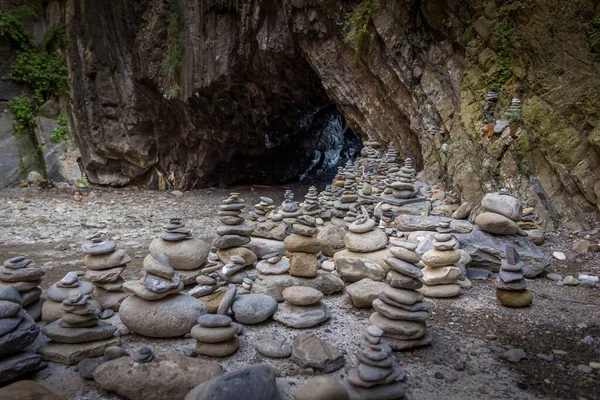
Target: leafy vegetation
356,26
515,116
25,112
12,27
175,49
61,132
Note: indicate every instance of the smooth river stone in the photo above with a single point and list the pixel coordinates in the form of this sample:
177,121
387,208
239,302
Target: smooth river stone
105,261
302,244
280,267
105,275
405,255
508,276
101,331
401,281
304,230
250,309
141,291
392,312
227,241
172,316
437,258
243,230
403,296
157,284
221,349
273,348
159,264
505,205
8,309
20,275
496,224
302,316
408,330
302,295
444,246
187,254
214,334
21,286
440,276
99,247
363,292
514,285
365,227
225,255
512,298
440,291
303,264
214,320
403,267
366,242
59,294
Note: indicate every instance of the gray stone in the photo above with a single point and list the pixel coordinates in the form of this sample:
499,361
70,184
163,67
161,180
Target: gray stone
302,316
273,348
186,254
17,365
60,294
311,351
514,355
366,242
404,268
477,273
412,223
554,277
353,269
114,352
273,285
250,309
72,353
214,320
227,300
242,230
227,241
87,366
363,292
59,334
20,337
252,383
8,309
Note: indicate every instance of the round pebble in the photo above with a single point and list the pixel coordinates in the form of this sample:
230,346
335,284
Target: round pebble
302,295
214,320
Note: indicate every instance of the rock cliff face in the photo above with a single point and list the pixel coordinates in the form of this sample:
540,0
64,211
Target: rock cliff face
253,70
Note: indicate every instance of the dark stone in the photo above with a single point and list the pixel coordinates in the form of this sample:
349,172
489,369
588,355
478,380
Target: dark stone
17,365
88,365
22,336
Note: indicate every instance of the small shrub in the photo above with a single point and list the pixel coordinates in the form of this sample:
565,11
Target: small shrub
25,113
515,116
175,49
356,26
61,132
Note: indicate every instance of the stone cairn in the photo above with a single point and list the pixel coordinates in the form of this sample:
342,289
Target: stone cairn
216,335
302,308
105,264
400,311
273,264
440,274
289,210
186,253
79,333
339,178
18,272
511,288
205,286
365,194
261,210
377,376
159,279
327,199
59,292
348,199
302,247
233,234
310,206
386,221
17,331
501,214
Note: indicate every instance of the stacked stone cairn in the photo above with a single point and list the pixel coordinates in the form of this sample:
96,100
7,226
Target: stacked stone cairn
302,247
78,334
348,199
186,253
440,274
261,210
351,215
511,288
289,210
327,199
391,158
311,203
302,308
232,271
105,264
17,331
273,264
59,292
156,307
18,272
400,310
377,376
216,335
514,108
233,234
501,214
365,194
339,178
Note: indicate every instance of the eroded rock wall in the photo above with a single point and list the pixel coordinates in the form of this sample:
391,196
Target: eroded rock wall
252,70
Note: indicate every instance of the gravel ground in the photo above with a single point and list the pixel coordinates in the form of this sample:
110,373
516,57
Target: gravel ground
470,333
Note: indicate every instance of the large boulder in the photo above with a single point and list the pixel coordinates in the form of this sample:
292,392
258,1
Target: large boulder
171,316
184,254
169,375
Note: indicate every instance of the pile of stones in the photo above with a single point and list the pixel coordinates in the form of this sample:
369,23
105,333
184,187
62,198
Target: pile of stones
186,253
261,210
310,206
78,334
273,264
302,247
511,288
216,335
327,198
18,272
441,275
377,376
105,264
404,187
17,331
232,271
348,199
501,214
339,178
59,292
289,210
233,234
302,308
156,308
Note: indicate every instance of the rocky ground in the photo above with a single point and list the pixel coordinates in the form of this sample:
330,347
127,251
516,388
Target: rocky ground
560,332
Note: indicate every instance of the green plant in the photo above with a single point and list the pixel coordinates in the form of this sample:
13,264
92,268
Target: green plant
61,131
175,49
356,26
12,26
515,116
417,92
25,113
446,23
594,33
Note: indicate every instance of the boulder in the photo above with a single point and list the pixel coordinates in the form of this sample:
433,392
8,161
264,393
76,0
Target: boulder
184,254
353,269
496,224
363,292
366,242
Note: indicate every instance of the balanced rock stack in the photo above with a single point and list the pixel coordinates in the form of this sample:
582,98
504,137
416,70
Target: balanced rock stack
105,264
339,178
18,272
59,292
377,375
262,210
311,203
511,288
205,286
289,210
17,331
400,311
232,271
440,275
78,334
404,187
302,308
302,247
365,194
348,199
216,335
273,264
502,212
186,253
156,308
326,200
233,233
391,157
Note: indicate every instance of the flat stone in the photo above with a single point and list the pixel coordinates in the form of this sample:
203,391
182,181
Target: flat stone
27,390
304,230
405,329
400,281
186,254
170,376
477,273
214,334
105,275
515,299
365,227
227,241
405,255
413,223
22,335
202,290
253,309
440,291
273,285
404,268
322,388
392,312
437,258
159,264
242,230
403,296
302,316
21,286
17,365
21,275
98,247
214,320
370,373
363,292
104,261
508,276
309,351
353,269
227,300
251,383
514,285
273,348
171,316
280,267
72,353
221,349
60,294
394,390
302,295
440,276
141,291
366,242
59,334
